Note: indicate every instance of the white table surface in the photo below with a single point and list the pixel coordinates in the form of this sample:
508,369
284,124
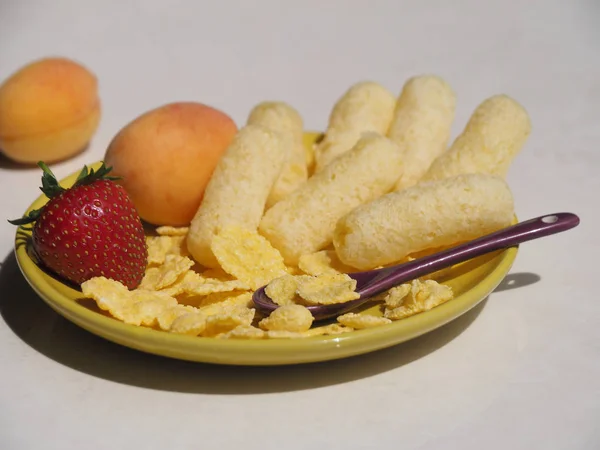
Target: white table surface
521,372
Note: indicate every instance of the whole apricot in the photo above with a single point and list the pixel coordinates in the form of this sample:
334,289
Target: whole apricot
166,157
49,110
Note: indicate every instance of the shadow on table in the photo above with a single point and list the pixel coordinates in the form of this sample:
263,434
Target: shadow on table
55,337
517,280
7,163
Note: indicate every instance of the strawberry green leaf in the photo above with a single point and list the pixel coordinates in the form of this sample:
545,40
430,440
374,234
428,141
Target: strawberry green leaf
82,174
28,218
88,177
50,186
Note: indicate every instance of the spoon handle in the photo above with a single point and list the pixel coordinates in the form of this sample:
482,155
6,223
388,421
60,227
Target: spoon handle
505,238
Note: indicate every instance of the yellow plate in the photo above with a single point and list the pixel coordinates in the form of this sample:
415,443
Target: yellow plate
471,282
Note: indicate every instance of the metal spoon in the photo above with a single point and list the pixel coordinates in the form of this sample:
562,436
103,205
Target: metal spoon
373,282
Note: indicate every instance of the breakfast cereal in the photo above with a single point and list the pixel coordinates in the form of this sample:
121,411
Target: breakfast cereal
191,323
248,256
161,246
362,321
410,299
242,332
157,278
238,189
282,290
168,315
494,135
421,125
366,106
304,221
385,191
288,318
226,321
427,215
321,262
133,307
192,283
171,231
326,289
282,118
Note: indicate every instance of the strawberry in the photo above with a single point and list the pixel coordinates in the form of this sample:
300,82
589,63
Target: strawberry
89,230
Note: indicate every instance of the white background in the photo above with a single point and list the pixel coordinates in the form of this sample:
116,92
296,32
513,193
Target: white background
520,372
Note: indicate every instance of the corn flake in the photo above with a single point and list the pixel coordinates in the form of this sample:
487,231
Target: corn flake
212,286
418,296
148,307
288,318
242,300
362,321
157,278
227,321
194,284
242,332
220,297
327,289
294,270
161,246
172,231
168,316
139,307
326,330
151,278
396,295
247,256
109,295
323,262
217,274
284,334
184,284
282,290
330,329
192,323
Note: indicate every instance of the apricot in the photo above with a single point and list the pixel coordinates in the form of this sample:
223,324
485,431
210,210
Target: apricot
49,110
166,157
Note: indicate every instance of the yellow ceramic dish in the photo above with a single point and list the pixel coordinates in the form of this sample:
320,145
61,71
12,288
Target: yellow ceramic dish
471,282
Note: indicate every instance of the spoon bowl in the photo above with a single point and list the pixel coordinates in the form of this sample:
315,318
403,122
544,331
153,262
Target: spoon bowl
374,282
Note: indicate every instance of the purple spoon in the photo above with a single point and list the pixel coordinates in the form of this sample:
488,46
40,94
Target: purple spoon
373,282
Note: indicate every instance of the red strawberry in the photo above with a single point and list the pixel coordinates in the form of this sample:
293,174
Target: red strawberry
89,230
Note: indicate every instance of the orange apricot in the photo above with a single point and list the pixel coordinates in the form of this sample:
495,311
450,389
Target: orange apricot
49,110
166,157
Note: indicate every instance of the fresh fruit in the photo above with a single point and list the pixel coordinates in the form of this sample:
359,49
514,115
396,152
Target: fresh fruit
167,156
49,110
89,230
